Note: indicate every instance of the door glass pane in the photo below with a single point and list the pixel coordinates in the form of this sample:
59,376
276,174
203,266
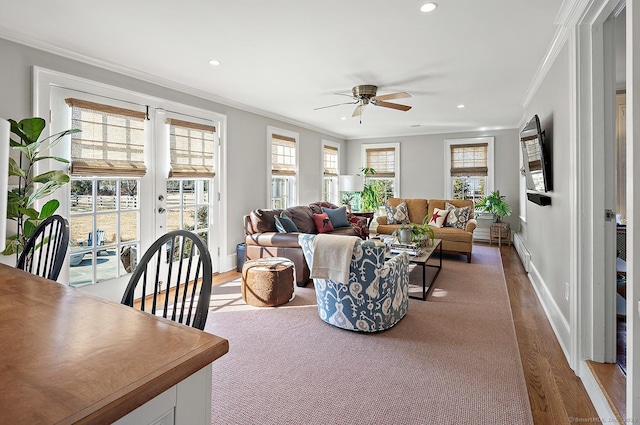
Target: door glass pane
205,192
79,230
189,218
128,194
128,226
203,217
81,196
128,258
173,220
173,193
188,192
106,195
105,229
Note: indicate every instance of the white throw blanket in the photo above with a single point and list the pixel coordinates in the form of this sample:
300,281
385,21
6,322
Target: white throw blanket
332,257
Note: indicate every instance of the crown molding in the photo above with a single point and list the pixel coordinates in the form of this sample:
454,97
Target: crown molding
570,13
23,39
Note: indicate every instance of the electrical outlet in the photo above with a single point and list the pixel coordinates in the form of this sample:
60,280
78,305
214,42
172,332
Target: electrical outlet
566,291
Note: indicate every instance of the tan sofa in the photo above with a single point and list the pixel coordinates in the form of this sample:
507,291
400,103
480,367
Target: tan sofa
454,240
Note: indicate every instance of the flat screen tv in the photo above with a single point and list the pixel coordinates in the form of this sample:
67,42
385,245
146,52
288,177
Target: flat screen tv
536,160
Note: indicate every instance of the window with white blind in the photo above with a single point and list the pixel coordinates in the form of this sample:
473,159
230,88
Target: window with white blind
191,149
107,162
330,171
110,142
191,152
284,167
384,158
469,168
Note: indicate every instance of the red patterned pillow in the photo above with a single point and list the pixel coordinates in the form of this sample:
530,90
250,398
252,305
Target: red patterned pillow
438,217
323,224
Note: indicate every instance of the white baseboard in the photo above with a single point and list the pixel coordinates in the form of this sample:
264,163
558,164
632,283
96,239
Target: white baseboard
559,323
228,263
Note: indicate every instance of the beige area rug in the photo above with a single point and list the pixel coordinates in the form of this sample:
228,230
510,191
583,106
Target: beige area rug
453,359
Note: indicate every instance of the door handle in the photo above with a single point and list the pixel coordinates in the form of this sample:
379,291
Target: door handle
161,210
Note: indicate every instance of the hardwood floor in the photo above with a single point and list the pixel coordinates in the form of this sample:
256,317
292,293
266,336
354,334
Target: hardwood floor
556,394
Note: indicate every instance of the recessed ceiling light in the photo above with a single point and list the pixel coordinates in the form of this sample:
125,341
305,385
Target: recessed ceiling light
343,118
460,106
214,62
428,7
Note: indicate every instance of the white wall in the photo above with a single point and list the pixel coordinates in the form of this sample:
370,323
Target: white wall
422,164
246,132
546,232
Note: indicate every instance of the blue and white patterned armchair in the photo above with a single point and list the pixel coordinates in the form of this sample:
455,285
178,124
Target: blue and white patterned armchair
376,296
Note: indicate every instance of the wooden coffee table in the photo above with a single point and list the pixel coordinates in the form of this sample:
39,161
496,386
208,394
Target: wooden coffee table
422,260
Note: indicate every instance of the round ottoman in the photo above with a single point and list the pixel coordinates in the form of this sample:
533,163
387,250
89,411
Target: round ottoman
268,282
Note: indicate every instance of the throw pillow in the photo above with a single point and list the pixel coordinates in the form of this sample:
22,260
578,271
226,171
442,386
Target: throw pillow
285,225
457,217
338,216
397,215
438,217
323,224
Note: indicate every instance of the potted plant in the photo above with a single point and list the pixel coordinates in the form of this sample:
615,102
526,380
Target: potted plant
21,201
422,233
346,200
495,204
372,194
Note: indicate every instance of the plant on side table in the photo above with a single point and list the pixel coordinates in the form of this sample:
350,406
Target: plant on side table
495,204
21,201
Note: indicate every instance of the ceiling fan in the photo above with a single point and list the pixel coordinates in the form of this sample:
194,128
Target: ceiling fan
366,94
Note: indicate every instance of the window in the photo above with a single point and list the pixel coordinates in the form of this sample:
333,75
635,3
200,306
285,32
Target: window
104,218
284,167
385,160
469,170
117,202
191,147
331,170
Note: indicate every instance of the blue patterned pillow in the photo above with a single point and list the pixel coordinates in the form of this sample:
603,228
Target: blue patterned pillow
338,216
285,225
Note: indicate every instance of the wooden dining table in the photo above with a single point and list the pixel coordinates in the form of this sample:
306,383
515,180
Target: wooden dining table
69,357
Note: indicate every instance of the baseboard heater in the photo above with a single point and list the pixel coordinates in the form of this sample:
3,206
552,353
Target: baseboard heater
521,249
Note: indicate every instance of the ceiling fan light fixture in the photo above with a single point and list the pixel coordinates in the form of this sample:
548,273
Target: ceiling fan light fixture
428,7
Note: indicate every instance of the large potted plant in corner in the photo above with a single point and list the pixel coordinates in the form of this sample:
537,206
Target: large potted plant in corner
495,204
21,201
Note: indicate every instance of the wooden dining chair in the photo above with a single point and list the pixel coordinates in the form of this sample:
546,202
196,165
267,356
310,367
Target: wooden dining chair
173,279
44,252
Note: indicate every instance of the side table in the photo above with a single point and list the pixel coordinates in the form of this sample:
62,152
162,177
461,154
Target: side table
500,231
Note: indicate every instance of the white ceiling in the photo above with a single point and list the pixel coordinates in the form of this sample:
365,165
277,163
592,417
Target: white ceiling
287,57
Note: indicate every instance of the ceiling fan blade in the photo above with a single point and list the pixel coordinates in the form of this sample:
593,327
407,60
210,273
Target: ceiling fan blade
358,111
393,106
337,104
399,95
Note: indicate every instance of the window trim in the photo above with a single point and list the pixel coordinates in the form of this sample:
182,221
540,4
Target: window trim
396,146
296,137
334,145
448,143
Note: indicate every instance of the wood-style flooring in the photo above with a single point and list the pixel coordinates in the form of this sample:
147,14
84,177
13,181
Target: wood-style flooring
556,394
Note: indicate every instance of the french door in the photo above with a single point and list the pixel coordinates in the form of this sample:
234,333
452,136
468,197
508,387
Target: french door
115,218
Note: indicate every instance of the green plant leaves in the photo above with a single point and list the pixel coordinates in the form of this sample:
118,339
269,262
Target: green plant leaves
49,208
21,201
